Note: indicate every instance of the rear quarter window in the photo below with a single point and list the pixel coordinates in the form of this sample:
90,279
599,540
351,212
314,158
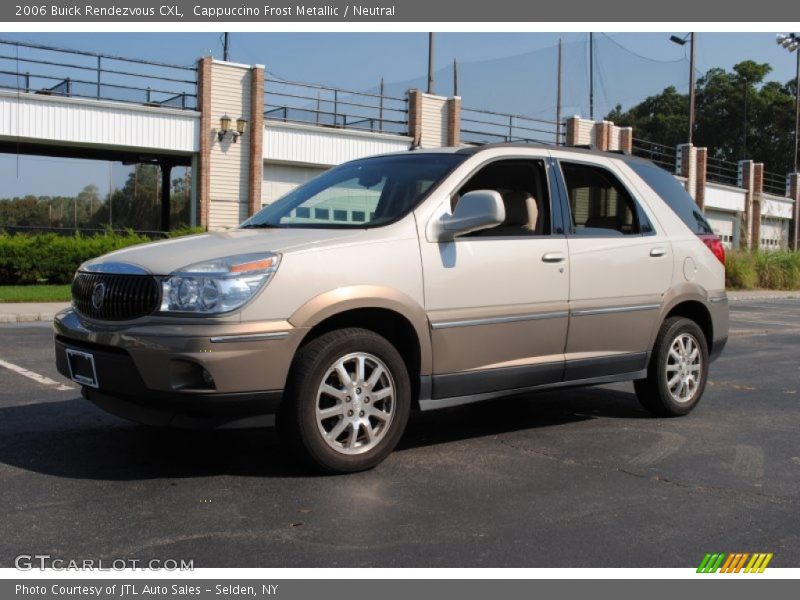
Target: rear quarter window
672,192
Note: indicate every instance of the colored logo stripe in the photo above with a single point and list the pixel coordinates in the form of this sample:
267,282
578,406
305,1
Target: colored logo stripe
734,563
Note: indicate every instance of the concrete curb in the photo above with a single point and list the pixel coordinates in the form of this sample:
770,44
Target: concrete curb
30,312
745,295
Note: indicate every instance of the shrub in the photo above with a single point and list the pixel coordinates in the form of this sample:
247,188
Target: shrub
54,258
740,270
774,270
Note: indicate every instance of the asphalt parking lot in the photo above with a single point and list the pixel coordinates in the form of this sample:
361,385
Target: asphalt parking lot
579,478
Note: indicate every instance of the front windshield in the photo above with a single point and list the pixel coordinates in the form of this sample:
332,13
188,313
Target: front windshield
363,193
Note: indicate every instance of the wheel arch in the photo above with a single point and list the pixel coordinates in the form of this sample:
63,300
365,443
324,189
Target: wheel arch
388,312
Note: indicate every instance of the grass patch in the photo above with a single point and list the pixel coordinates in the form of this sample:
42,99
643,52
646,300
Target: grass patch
775,270
34,293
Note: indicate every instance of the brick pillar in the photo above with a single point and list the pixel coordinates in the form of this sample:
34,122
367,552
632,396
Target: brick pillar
454,121
415,117
701,162
793,187
573,127
626,140
256,139
758,190
746,220
602,135
203,176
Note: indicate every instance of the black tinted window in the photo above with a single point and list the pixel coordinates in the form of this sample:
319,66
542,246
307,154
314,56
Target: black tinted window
599,203
672,192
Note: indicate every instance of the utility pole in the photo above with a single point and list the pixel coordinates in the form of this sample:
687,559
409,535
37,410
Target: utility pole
591,76
430,63
558,94
226,46
455,77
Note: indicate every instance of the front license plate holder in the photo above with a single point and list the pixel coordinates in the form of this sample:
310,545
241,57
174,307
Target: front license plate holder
81,367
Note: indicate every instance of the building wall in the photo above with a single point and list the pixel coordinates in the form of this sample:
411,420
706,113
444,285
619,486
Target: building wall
280,179
295,153
325,146
229,161
98,123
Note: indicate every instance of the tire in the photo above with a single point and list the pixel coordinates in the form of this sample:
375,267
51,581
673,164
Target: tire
377,403
655,392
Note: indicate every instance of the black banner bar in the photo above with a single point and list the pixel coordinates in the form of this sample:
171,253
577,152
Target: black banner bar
373,11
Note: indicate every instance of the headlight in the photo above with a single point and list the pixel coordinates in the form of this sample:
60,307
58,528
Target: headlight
219,285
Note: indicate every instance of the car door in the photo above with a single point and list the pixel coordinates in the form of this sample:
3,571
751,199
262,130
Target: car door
497,299
621,265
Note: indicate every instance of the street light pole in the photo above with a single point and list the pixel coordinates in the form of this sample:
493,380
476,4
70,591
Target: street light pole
681,41
791,42
691,87
797,114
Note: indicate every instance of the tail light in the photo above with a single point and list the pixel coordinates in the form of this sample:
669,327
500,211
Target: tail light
714,244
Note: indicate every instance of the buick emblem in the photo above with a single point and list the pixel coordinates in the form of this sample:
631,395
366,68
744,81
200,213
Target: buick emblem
98,295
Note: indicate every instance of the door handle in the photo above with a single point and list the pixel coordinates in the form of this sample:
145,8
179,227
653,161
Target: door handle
554,257
658,251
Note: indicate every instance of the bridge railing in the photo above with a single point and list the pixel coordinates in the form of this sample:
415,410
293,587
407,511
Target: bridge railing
485,127
48,70
312,104
775,183
664,156
722,171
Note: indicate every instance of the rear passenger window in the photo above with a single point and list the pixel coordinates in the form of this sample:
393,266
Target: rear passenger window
599,203
674,194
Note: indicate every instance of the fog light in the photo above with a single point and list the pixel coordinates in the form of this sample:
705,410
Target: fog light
208,379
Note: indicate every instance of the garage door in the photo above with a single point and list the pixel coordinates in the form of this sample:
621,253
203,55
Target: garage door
724,225
281,179
774,233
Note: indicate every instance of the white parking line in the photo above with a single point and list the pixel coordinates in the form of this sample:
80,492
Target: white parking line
35,376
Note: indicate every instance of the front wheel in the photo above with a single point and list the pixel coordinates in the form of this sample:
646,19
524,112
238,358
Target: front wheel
678,370
347,401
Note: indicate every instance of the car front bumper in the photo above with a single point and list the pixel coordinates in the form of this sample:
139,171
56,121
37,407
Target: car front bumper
153,372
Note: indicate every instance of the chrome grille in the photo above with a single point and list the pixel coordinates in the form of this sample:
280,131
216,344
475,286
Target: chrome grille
115,297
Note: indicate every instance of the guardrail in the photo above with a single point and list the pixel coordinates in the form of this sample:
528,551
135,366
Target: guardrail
661,154
774,183
722,171
313,104
485,127
48,70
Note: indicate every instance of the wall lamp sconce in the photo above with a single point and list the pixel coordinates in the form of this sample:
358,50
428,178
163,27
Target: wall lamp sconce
225,127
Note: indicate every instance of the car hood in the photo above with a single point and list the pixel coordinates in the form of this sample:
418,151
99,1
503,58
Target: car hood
166,256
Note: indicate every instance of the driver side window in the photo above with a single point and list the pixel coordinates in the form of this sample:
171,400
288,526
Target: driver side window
522,184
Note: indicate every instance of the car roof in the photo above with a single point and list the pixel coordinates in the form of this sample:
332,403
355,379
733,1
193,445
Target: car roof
572,149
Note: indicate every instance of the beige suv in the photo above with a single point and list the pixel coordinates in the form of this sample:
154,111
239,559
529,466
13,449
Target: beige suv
408,281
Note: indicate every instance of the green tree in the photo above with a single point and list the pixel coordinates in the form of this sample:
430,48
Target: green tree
738,115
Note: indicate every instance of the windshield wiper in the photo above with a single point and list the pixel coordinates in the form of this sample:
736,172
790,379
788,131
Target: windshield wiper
261,226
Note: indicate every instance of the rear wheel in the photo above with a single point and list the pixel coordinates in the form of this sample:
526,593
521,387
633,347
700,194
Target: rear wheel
347,401
676,376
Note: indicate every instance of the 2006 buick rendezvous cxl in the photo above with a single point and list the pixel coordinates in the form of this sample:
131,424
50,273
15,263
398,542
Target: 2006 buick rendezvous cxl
408,281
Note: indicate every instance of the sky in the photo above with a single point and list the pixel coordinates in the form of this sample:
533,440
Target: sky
509,72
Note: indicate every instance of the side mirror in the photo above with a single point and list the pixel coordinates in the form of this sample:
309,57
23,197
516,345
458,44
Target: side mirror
476,210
